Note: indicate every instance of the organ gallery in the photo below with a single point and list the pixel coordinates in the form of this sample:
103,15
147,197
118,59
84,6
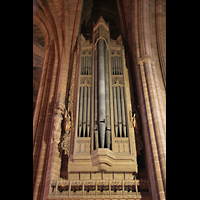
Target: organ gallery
98,100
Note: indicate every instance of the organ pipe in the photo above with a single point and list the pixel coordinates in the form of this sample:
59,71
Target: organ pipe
90,61
108,123
115,111
95,99
108,134
117,69
84,110
88,112
120,64
85,65
81,65
80,111
114,65
101,85
123,111
96,139
119,111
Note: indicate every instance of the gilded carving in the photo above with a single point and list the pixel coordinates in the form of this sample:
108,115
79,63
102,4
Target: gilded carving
65,144
132,119
86,80
135,124
117,81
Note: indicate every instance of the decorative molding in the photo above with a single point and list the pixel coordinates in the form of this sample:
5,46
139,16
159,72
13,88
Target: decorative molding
117,83
144,58
86,80
117,80
101,30
99,189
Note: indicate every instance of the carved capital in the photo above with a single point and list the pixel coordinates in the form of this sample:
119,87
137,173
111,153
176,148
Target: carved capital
145,58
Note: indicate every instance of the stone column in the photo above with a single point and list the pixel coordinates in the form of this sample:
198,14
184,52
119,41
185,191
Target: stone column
155,164
150,98
157,120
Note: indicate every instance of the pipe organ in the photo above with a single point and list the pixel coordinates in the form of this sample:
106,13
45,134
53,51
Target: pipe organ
103,134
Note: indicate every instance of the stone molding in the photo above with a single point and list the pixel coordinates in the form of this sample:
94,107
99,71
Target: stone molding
146,57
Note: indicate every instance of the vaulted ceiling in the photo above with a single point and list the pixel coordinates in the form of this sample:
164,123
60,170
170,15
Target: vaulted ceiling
91,12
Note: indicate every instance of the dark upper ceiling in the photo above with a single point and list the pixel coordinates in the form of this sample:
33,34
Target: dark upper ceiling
91,12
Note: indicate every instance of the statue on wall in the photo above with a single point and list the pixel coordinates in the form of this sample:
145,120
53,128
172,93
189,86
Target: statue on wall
132,119
66,137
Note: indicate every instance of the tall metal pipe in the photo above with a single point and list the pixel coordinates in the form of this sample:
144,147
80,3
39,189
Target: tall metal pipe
89,65
88,112
123,112
85,65
120,65
115,65
119,111
108,135
101,84
84,110
87,62
80,112
95,99
82,65
117,68
115,111
96,139
112,65
108,122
